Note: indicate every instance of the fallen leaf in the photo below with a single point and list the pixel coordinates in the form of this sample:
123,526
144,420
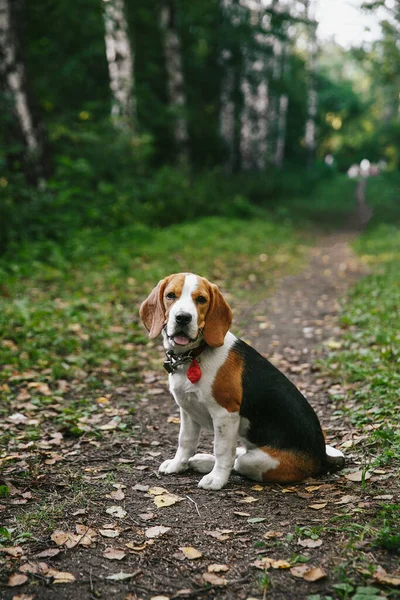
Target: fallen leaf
317,506
146,516
307,543
17,579
156,531
358,475
175,420
346,499
14,551
257,488
121,575
117,495
113,554
17,419
382,576
41,387
241,514
218,535
166,500
113,424
59,537
157,491
266,562
314,574
256,520
87,535
273,534
49,553
117,511
141,488
34,567
60,576
136,548
216,568
23,597
214,579
190,552
248,500
109,533
299,570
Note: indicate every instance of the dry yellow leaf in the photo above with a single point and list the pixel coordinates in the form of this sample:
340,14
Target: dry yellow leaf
382,576
114,554
17,579
156,531
216,568
318,506
157,491
214,579
166,500
314,574
358,476
190,552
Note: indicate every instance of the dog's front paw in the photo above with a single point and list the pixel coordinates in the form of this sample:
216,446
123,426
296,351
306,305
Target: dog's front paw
172,466
213,481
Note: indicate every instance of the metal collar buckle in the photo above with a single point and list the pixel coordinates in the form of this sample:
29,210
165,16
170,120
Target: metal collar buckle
173,362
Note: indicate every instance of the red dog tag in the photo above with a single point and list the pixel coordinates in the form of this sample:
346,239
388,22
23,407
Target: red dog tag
194,371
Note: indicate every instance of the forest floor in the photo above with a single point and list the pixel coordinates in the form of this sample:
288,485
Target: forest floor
89,517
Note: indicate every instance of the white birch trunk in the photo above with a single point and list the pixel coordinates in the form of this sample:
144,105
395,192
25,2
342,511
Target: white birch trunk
120,63
282,125
253,144
13,73
227,104
312,96
175,77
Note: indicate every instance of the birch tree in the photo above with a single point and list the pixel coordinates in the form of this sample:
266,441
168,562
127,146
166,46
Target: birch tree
312,97
230,91
253,143
175,77
120,63
14,81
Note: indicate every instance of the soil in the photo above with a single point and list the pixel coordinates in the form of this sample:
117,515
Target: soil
242,523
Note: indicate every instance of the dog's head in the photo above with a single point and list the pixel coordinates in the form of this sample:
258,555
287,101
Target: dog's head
187,308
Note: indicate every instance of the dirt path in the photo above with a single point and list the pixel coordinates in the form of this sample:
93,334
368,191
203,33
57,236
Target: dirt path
243,523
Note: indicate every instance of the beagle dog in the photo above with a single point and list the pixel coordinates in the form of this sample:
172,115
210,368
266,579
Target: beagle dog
223,384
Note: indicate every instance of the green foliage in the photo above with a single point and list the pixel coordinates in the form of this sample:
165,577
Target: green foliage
388,536
370,357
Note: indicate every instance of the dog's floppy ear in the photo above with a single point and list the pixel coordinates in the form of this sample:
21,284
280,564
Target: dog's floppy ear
218,319
152,311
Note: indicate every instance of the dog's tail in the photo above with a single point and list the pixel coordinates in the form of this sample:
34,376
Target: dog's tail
334,459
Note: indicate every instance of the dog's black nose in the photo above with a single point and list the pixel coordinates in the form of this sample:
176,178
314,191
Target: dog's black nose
183,318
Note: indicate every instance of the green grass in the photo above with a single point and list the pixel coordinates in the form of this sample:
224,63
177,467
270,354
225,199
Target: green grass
368,367
76,321
370,355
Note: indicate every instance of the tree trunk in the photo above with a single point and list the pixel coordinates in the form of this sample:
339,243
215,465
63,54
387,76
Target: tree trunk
120,64
254,87
14,81
281,137
175,83
312,96
228,108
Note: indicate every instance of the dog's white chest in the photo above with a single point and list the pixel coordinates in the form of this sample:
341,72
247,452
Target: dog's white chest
193,398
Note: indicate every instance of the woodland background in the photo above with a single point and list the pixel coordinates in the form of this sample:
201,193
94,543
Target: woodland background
217,107
223,137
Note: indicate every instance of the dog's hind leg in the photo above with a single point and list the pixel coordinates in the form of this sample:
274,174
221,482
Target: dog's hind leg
202,463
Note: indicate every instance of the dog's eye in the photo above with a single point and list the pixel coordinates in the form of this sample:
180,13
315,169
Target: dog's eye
201,300
171,296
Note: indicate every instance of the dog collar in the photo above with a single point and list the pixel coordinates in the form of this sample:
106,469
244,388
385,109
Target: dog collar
173,361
